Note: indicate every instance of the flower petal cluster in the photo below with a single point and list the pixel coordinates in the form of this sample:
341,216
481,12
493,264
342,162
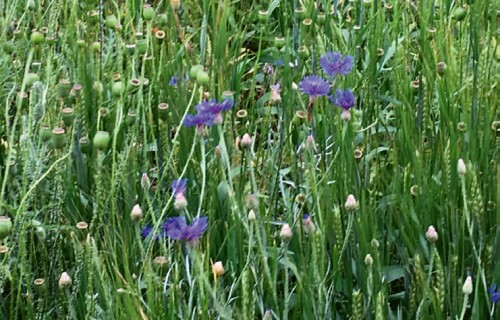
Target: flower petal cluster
176,228
178,186
334,64
343,99
209,113
314,86
495,294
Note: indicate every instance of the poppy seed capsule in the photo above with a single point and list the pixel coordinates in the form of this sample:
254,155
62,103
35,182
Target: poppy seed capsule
5,226
193,72
112,21
142,46
101,140
58,138
37,38
163,111
63,88
279,42
441,68
45,133
203,78
148,12
68,116
4,250
459,13
118,89
131,117
31,78
84,143
263,16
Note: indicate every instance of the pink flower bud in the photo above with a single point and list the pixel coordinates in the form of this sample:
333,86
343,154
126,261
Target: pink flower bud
351,204
431,235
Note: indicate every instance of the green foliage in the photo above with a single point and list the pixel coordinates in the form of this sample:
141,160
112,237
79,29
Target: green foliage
93,126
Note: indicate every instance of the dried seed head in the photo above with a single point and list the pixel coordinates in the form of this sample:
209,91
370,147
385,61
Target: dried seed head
461,126
301,198
414,190
82,225
358,153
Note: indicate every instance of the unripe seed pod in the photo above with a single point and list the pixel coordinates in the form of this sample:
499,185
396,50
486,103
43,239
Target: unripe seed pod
58,138
101,140
63,88
112,21
459,13
84,143
31,78
193,72
118,89
148,12
5,226
163,111
37,38
45,133
203,78
68,116
142,46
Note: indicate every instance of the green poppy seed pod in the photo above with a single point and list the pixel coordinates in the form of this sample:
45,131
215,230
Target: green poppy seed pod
63,88
300,12
163,111
148,12
68,116
96,46
5,226
112,21
299,118
142,46
459,13
303,52
58,138
131,117
367,3
51,40
3,250
45,133
117,89
263,16
80,43
161,20
9,47
84,143
203,78
101,140
82,230
133,85
279,42
37,38
31,78
193,72
40,287
130,48
97,86
321,19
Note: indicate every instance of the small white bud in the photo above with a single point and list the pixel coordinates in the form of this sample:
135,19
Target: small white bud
64,280
286,232
351,204
218,269
368,260
136,213
467,288
431,235
246,141
180,202
251,215
461,169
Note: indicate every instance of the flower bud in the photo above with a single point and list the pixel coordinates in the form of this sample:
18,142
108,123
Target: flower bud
368,260
5,226
345,116
461,169
286,233
309,226
251,215
64,280
431,235
180,202
136,213
145,181
246,141
467,287
218,269
351,204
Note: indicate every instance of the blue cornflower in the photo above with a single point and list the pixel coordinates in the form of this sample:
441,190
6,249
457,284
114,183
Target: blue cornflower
148,229
178,186
343,99
333,64
173,81
314,86
177,228
200,120
214,108
495,295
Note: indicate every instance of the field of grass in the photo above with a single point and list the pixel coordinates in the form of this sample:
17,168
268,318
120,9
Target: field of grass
341,159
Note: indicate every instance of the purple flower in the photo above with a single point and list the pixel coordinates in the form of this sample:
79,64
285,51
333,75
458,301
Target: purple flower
199,120
213,107
495,295
173,81
343,99
333,64
314,86
177,229
148,229
178,186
